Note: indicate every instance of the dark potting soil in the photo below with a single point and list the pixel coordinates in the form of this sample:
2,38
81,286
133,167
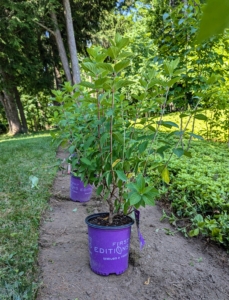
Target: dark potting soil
103,220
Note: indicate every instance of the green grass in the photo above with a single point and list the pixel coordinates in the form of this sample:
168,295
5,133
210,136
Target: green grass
21,207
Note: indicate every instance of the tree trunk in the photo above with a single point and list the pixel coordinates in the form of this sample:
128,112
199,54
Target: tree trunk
61,48
9,104
57,77
71,42
10,107
21,110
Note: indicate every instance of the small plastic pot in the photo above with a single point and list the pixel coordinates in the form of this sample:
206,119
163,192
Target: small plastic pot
108,246
79,192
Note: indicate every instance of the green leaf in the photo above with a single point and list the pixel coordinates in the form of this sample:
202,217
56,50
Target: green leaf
118,137
85,161
179,152
162,149
143,82
106,66
171,82
121,65
124,54
142,147
88,142
151,128
104,138
90,67
108,177
116,162
134,198
126,166
151,190
132,187
92,51
198,218
121,175
201,117
34,181
117,39
165,175
87,84
122,83
99,82
148,199
194,232
181,21
188,154
212,79
176,132
215,232
140,183
100,57
110,112
139,204
183,115
165,16
168,124
170,66
113,52
72,149
99,190
153,82
214,20
196,136
121,42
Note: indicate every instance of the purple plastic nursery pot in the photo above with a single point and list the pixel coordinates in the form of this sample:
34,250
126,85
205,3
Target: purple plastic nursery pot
108,246
79,192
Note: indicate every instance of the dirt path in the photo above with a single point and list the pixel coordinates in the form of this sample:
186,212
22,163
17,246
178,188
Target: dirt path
169,266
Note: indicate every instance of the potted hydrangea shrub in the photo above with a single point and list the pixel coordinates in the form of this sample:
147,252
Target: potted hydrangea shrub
68,118
112,141
114,151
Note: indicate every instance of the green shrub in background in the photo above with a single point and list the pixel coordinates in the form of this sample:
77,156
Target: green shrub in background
199,191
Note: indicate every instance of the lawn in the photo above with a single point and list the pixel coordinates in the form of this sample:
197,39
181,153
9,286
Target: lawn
27,170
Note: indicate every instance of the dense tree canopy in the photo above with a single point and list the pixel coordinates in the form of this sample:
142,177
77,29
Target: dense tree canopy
33,36
43,42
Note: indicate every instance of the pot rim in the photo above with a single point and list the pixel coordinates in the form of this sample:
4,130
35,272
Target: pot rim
88,218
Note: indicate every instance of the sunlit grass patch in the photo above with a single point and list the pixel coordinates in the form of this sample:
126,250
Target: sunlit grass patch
21,207
210,129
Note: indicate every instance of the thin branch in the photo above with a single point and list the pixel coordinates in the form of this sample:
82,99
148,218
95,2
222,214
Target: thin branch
181,136
48,29
162,115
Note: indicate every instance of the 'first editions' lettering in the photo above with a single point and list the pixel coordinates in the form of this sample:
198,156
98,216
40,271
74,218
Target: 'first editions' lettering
118,250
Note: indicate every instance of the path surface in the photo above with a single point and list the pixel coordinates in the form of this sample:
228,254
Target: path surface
169,266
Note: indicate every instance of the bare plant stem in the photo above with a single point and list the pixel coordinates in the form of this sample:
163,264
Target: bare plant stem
98,105
111,205
189,119
193,127
158,124
181,128
161,116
